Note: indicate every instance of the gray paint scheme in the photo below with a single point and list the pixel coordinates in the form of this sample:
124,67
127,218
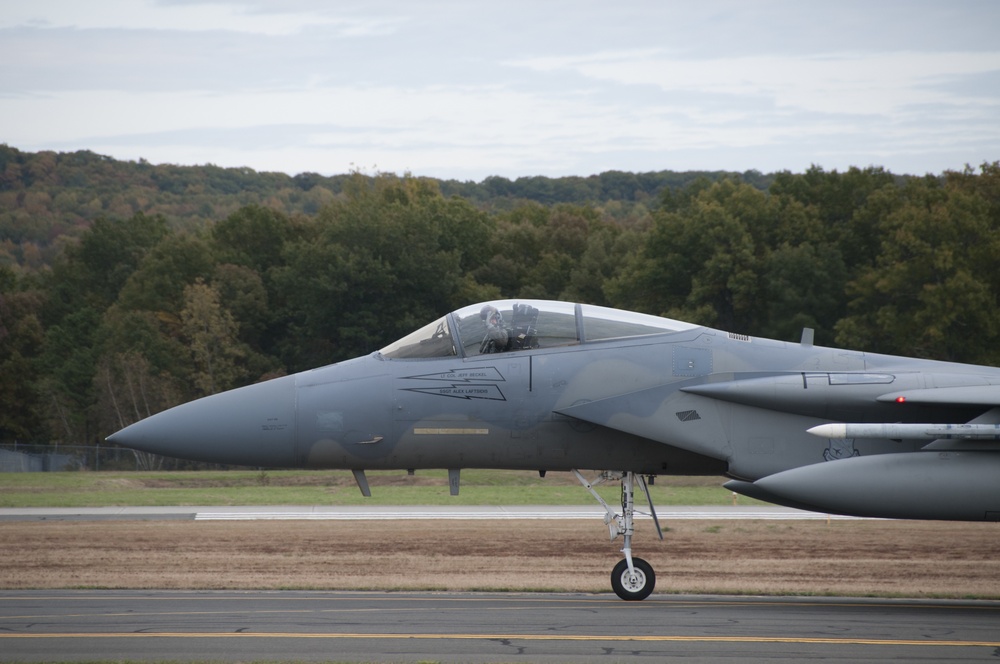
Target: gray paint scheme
649,396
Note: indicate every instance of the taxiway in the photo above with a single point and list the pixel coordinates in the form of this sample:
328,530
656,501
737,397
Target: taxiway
468,627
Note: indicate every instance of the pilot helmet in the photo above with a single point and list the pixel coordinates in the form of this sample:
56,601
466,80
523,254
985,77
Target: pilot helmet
491,315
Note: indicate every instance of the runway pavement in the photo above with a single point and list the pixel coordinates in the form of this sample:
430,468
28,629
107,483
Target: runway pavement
150,626
378,512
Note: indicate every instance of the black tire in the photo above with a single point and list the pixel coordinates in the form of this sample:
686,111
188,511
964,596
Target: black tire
637,588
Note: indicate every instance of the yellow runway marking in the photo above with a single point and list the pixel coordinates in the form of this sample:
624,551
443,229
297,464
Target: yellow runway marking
655,602
507,637
450,432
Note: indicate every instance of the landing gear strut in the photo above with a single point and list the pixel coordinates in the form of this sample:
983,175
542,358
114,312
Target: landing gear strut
632,578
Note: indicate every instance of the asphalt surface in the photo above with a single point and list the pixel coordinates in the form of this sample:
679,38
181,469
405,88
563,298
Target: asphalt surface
377,512
151,626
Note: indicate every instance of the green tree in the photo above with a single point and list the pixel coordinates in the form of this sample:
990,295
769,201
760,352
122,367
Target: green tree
391,256
607,249
130,389
95,270
153,335
701,263
933,290
211,334
158,282
841,202
728,255
21,338
254,236
83,283
803,287
559,252
67,366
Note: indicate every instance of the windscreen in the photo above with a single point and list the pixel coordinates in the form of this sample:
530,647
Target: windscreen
432,340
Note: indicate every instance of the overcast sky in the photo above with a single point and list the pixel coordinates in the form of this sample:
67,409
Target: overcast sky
464,89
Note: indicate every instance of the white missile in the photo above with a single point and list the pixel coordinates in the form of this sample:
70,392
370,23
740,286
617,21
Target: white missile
895,431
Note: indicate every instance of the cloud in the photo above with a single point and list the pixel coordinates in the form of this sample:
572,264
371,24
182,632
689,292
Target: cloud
469,89
828,82
248,18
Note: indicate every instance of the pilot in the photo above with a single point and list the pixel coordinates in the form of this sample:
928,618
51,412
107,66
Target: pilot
497,337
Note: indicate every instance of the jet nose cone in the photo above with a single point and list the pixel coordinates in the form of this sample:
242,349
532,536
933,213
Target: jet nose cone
253,426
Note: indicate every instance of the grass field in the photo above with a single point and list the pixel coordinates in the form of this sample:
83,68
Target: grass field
208,488
846,558
881,558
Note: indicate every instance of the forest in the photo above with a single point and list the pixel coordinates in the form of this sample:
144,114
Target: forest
126,288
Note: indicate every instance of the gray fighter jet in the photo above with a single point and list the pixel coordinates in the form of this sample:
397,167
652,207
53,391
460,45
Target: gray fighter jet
558,386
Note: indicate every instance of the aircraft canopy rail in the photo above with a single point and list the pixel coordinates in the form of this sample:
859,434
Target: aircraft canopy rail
514,325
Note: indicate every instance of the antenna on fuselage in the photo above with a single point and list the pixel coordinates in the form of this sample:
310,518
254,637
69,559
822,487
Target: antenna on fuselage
807,336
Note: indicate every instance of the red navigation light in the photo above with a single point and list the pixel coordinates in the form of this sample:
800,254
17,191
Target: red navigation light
900,399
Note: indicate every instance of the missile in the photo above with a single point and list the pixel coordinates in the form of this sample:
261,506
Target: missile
895,431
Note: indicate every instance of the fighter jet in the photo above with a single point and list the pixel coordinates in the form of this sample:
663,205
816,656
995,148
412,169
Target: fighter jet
556,386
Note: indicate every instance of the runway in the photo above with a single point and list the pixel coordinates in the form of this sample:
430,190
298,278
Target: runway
392,512
150,626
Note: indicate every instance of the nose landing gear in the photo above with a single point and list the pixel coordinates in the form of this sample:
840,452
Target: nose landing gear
635,583
632,578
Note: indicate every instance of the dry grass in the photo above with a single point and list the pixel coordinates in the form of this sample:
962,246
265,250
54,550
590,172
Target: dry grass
887,558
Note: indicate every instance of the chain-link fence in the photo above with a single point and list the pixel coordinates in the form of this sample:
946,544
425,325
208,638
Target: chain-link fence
20,458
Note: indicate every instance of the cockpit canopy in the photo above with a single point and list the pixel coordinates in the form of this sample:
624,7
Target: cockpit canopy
514,325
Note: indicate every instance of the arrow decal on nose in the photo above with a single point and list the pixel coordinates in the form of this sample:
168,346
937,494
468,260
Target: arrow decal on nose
463,391
465,374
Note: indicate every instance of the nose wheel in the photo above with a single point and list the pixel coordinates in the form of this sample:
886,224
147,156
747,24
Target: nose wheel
632,578
633,584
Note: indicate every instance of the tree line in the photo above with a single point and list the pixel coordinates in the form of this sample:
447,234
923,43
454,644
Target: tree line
137,313
49,198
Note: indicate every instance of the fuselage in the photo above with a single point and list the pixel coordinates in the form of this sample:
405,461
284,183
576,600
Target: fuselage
585,387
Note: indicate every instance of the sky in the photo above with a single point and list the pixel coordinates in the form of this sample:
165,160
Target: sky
466,89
